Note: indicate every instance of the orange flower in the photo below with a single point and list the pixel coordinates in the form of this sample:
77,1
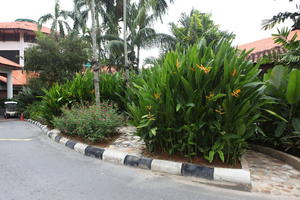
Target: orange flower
210,96
206,70
233,73
177,63
235,93
151,117
220,111
156,96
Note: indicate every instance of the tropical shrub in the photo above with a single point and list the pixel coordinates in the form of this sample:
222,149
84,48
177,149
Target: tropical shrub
93,123
34,111
281,127
112,88
204,101
81,90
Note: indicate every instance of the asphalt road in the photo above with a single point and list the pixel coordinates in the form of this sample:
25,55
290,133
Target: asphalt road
34,167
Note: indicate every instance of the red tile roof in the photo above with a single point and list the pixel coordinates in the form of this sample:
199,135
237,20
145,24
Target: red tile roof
9,63
23,26
19,77
265,47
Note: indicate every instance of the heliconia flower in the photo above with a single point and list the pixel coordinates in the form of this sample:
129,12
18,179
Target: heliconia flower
206,70
151,117
220,111
211,94
156,96
177,63
233,73
235,93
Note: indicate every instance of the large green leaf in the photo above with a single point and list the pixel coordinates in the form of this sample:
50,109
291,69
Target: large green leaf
293,89
296,124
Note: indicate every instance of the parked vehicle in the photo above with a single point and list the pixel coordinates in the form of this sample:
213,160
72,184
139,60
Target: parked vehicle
10,109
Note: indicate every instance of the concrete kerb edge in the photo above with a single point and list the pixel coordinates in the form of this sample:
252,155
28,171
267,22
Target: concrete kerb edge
290,159
240,177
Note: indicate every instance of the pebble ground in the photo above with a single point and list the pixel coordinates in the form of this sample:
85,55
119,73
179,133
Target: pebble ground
272,176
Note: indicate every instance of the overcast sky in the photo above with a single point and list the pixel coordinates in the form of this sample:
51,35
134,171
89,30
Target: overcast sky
242,17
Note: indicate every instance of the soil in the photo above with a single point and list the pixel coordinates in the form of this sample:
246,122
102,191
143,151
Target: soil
196,160
102,144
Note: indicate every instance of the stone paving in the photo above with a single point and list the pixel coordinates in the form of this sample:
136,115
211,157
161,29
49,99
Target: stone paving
128,142
272,176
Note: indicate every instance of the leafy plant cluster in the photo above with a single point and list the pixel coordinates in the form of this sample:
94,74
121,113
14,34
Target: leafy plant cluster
204,101
93,123
281,128
80,90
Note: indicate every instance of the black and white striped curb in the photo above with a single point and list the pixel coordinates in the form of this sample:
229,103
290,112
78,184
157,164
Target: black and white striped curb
236,176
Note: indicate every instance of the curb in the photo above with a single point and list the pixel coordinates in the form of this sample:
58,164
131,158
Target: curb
239,177
289,159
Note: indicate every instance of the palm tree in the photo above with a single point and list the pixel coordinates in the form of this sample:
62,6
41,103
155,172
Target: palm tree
58,20
281,18
158,7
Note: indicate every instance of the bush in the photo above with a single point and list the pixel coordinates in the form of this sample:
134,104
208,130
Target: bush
94,123
33,111
205,101
79,90
281,125
112,88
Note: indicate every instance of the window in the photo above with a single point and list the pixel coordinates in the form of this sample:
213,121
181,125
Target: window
29,38
11,55
9,36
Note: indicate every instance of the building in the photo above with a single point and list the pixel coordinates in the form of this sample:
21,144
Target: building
15,37
265,47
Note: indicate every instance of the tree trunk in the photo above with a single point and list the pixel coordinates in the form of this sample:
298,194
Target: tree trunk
138,59
125,40
95,60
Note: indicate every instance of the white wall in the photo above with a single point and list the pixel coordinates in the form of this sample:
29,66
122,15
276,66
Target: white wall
16,46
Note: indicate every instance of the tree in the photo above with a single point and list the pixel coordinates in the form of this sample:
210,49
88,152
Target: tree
291,44
58,20
281,17
56,59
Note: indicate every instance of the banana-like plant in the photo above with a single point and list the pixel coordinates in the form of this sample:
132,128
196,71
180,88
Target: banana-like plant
283,84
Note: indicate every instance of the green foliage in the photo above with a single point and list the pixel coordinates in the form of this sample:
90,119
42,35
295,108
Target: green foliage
56,60
281,17
205,101
195,26
25,98
81,90
112,88
289,41
94,123
280,128
34,111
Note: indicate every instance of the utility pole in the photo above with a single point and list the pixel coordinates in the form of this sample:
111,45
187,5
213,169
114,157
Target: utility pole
95,62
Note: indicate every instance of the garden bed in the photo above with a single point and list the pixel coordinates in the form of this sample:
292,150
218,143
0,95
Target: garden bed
103,144
196,160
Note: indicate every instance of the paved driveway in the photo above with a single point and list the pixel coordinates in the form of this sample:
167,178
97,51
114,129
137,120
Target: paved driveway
33,167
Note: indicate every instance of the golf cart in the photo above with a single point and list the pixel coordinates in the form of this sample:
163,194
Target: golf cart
10,109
